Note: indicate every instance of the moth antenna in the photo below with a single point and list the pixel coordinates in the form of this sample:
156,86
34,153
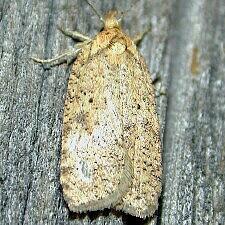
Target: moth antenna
96,12
124,13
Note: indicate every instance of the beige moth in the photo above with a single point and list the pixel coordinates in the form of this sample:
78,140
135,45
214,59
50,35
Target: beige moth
111,152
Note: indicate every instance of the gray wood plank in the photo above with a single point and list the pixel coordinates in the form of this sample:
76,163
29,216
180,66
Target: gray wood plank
185,51
194,135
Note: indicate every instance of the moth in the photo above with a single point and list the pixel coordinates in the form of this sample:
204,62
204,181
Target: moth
111,151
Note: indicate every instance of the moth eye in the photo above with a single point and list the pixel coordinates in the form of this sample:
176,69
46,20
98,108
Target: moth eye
90,100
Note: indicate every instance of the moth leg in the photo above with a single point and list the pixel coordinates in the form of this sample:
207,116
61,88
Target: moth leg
74,34
67,57
159,88
138,37
161,91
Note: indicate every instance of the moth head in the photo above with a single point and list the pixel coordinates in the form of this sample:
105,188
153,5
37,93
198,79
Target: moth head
110,20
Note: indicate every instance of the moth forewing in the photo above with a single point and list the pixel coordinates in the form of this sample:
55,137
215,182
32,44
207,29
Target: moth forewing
114,112
96,170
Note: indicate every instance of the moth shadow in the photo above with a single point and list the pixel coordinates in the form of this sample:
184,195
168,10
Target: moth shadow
93,216
131,220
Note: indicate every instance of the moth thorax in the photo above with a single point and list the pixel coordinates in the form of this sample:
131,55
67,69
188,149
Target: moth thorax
111,21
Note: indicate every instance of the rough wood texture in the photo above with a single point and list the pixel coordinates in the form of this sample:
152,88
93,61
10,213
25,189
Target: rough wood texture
185,50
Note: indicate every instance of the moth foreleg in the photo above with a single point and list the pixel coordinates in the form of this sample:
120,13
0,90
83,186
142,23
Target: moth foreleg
66,57
74,34
138,37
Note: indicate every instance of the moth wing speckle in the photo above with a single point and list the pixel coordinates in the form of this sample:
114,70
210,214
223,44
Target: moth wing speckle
96,169
142,130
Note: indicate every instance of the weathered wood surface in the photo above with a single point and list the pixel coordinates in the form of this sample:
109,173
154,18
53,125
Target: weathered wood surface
185,50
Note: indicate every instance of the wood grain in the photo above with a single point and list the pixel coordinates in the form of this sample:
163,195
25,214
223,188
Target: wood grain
192,111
